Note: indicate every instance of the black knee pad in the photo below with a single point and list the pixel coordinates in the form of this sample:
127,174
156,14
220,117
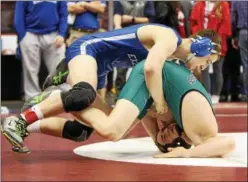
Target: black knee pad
79,97
76,131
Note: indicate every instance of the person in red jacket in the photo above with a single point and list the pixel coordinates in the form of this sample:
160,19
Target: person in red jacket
213,15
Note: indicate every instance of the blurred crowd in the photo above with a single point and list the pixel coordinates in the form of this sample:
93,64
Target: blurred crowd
46,28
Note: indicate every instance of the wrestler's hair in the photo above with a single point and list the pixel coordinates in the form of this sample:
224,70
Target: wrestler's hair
213,36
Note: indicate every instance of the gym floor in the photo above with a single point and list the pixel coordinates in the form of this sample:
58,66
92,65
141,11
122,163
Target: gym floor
53,159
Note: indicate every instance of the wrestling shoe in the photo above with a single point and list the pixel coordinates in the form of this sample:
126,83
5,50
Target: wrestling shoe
14,130
58,76
21,150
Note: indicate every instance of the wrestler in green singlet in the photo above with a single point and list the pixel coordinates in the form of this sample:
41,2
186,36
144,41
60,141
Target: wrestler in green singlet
177,82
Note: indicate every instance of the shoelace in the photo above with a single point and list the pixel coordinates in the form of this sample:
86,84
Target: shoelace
21,128
59,78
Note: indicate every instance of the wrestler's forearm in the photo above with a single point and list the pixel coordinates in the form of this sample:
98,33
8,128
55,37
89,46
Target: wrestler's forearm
151,126
214,147
154,85
153,70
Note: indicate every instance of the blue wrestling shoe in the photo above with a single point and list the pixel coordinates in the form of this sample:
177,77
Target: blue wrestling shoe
14,130
57,77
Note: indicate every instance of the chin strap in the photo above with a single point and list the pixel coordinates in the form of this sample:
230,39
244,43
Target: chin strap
189,57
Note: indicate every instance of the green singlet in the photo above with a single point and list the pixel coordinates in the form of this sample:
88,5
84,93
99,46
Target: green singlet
177,82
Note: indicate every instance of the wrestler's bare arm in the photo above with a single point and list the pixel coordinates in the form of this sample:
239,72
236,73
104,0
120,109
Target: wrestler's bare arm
150,121
161,43
212,146
151,126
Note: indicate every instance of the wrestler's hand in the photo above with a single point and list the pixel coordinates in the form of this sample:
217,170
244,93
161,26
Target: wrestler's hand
59,40
173,153
161,108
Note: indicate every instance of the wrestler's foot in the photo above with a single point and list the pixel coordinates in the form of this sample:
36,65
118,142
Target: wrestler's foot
21,150
57,77
14,130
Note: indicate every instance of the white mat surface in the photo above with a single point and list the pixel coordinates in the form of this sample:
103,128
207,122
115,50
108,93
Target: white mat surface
140,150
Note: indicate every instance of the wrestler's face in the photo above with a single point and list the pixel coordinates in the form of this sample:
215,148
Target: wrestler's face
169,133
202,62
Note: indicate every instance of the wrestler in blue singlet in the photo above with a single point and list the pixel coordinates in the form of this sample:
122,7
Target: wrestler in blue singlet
118,48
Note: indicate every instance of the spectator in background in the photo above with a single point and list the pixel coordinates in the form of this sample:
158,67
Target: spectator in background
85,18
127,13
213,15
231,75
41,27
174,14
7,14
186,8
240,30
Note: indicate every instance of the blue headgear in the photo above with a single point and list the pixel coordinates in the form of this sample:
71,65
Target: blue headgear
202,46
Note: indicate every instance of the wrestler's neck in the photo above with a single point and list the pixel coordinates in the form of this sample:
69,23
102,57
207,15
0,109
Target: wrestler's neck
183,50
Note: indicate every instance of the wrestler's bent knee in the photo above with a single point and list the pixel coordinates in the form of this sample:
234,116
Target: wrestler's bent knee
112,134
81,96
76,131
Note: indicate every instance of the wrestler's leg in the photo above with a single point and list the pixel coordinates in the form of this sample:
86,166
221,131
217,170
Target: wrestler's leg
200,126
197,116
133,103
83,79
54,125
80,96
114,126
102,93
61,127
50,126
58,126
